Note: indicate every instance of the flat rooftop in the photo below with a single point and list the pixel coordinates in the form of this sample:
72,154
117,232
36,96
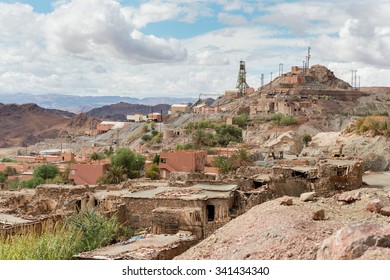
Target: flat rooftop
196,192
147,248
12,220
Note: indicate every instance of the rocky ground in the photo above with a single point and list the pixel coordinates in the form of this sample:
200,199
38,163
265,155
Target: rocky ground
275,231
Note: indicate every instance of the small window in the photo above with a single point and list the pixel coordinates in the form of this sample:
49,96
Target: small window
163,160
73,172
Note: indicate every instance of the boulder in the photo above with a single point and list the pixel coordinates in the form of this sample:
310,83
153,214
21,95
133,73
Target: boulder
355,241
286,200
318,215
307,196
385,211
348,197
374,206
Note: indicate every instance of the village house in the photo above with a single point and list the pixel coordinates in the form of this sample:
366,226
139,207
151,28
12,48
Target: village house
182,161
87,173
200,209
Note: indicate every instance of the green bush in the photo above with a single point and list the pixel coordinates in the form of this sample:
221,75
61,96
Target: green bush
3,178
146,137
186,146
153,172
287,120
8,160
223,164
96,230
157,138
27,184
81,232
96,156
241,120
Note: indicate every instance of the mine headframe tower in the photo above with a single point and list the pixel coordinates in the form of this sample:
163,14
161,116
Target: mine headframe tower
241,79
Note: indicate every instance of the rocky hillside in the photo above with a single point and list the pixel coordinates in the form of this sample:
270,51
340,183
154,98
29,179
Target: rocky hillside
275,231
119,111
324,76
27,124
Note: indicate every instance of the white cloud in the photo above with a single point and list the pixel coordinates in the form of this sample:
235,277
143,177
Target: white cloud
208,57
234,20
98,29
97,47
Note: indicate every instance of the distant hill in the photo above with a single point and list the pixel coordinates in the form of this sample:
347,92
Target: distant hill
26,124
79,104
119,111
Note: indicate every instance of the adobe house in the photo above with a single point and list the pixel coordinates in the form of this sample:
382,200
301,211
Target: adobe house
326,177
182,161
87,173
200,209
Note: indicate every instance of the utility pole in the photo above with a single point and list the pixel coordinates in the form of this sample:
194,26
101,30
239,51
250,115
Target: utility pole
280,69
270,83
353,79
308,58
262,80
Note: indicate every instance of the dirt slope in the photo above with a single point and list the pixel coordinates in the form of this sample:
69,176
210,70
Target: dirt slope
274,231
29,123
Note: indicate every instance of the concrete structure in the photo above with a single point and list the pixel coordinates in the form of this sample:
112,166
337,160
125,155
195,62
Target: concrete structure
182,161
54,156
87,173
137,117
232,94
180,108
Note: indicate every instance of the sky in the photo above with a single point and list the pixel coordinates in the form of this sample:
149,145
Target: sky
181,48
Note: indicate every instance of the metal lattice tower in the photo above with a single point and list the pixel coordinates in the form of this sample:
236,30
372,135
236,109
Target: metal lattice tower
241,79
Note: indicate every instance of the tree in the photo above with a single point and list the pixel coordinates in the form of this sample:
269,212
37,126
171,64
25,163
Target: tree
202,138
228,133
45,171
156,159
306,138
131,162
115,175
153,172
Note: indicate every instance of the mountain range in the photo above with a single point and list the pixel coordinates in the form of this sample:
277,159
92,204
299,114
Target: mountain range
80,104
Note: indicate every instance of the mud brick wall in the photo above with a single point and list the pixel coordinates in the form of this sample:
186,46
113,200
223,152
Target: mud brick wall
249,199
